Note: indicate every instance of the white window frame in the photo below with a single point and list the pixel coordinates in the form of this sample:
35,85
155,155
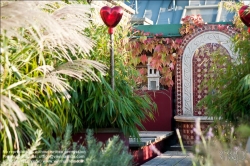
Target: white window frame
219,7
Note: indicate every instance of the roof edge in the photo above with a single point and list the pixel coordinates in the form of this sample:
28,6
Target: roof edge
168,30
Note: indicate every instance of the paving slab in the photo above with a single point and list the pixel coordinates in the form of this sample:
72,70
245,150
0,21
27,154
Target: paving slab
171,158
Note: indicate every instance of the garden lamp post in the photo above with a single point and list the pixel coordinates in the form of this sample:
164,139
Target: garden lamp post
111,17
244,14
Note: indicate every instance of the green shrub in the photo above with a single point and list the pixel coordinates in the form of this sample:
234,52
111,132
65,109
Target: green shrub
120,108
99,106
63,152
229,87
37,57
112,154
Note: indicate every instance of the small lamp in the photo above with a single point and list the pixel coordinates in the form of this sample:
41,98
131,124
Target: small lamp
153,77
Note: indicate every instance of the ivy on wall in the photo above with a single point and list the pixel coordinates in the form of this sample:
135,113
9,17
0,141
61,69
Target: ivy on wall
190,23
163,52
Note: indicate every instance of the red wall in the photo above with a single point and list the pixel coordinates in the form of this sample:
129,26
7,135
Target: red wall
164,115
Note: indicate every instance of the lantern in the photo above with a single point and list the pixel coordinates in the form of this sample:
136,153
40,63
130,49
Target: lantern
153,77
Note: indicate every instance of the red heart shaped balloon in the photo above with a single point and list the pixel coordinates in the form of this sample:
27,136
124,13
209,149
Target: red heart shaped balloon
245,18
111,16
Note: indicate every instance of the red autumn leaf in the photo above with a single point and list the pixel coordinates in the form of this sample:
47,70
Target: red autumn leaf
159,34
163,81
178,41
167,81
170,83
144,59
221,27
180,51
171,66
150,47
148,41
175,46
168,41
143,71
157,48
156,62
191,26
168,49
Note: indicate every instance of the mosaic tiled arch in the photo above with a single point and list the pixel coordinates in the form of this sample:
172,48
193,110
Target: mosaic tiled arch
208,34
201,64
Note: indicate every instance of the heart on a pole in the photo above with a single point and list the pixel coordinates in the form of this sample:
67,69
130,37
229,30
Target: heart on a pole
111,16
244,13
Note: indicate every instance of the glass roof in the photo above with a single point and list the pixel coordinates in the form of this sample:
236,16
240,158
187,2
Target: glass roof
171,11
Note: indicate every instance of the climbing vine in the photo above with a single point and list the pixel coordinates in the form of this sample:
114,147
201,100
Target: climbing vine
190,23
160,52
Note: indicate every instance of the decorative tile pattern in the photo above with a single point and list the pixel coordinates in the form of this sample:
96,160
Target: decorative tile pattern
187,132
201,65
212,30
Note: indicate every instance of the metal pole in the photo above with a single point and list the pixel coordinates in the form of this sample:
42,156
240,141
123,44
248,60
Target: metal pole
136,7
112,62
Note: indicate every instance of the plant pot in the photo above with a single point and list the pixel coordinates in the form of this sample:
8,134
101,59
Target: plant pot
102,134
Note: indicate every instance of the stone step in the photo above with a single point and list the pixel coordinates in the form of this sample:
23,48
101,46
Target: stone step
149,137
177,147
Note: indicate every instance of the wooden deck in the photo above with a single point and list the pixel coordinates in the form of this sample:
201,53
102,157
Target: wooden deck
170,158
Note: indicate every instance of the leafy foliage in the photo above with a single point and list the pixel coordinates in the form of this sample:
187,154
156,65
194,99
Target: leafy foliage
231,102
99,106
112,154
63,152
190,23
24,158
122,108
37,57
162,51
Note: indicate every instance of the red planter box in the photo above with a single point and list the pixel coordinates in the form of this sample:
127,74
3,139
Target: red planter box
101,135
